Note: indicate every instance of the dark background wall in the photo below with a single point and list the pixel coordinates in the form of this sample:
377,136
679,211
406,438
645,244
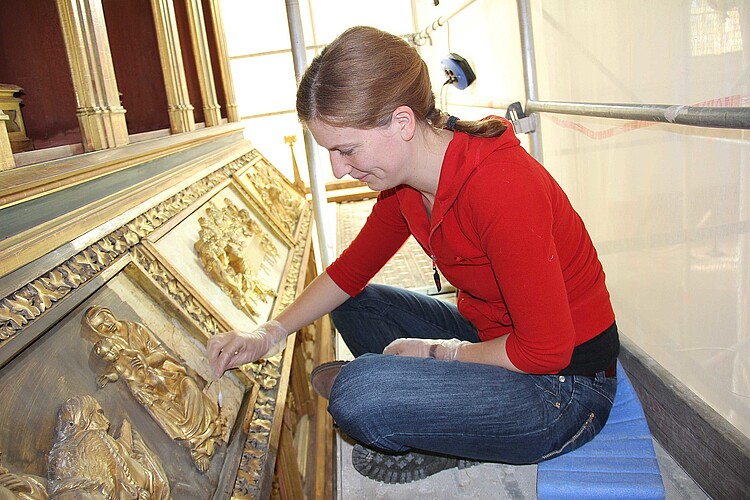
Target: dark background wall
32,56
135,55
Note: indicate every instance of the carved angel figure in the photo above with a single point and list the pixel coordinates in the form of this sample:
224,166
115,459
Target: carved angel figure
159,382
87,462
21,486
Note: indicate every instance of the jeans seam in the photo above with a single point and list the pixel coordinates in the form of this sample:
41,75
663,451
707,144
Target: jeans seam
599,392
575,436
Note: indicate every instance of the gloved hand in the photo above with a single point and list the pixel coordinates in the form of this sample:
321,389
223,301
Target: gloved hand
426,348
235,348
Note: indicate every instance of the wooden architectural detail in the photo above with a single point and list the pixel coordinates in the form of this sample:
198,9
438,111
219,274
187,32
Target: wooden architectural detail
298,182
181,117
6,153
257,450
211,111
10,104
290,290
26,304
233,114
175,290
100,114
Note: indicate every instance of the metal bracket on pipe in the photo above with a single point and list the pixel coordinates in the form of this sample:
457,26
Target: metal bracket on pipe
522,124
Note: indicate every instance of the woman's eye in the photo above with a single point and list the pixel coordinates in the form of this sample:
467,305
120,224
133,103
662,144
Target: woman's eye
346,152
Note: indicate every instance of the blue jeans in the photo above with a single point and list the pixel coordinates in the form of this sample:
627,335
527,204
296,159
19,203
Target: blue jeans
470,410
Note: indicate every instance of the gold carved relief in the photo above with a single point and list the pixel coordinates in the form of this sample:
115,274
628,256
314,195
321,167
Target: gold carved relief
87,462
22,486
175,290
227,236
275,195
158,381
29,302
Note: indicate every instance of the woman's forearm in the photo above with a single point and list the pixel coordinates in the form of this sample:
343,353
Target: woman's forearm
320,297
490,352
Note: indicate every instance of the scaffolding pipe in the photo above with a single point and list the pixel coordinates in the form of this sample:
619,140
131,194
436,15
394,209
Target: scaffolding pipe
423,36
529,72
317,183
734,118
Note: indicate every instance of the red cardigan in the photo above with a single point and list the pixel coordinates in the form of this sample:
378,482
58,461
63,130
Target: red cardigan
505,234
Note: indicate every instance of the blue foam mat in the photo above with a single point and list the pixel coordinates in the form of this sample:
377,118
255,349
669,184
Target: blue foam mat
620,462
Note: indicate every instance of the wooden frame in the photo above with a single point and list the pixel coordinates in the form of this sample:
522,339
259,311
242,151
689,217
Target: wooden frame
119,248
284,207
167,244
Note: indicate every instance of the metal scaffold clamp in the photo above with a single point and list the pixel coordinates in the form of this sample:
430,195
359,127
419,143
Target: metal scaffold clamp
522,124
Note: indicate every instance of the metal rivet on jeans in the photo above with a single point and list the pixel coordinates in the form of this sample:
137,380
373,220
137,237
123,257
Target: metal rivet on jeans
562,378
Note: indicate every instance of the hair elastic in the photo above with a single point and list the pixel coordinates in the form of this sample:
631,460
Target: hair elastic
451,125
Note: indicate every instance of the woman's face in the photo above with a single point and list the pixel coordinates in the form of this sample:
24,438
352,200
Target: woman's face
374,156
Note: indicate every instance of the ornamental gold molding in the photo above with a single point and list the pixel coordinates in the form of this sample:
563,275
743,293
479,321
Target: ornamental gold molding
249,477
29,302
175,290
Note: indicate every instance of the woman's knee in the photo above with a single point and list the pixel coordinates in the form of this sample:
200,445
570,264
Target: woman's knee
352,305
358,398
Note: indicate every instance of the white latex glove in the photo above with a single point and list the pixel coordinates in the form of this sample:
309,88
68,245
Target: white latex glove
426,348
235,348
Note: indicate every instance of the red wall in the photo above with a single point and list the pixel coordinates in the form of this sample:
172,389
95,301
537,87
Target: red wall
135,56
32,55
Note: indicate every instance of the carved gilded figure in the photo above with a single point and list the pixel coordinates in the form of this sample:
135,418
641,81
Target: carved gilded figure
87,462
275,195
159,382
234,251
21,486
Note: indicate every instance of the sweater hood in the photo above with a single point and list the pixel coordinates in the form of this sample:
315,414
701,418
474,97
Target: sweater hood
462,158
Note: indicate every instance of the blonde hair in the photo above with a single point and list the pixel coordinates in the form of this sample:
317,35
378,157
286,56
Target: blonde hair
361,77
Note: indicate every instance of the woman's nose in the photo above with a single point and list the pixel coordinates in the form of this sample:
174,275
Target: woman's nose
339,165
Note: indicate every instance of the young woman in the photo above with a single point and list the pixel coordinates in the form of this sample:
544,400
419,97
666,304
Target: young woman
521,369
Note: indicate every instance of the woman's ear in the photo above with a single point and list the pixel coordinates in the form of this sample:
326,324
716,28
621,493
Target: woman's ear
403,119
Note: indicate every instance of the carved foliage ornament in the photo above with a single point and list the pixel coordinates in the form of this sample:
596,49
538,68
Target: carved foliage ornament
32,300
247,483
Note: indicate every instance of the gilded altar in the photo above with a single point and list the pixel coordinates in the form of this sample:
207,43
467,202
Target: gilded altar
112,277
